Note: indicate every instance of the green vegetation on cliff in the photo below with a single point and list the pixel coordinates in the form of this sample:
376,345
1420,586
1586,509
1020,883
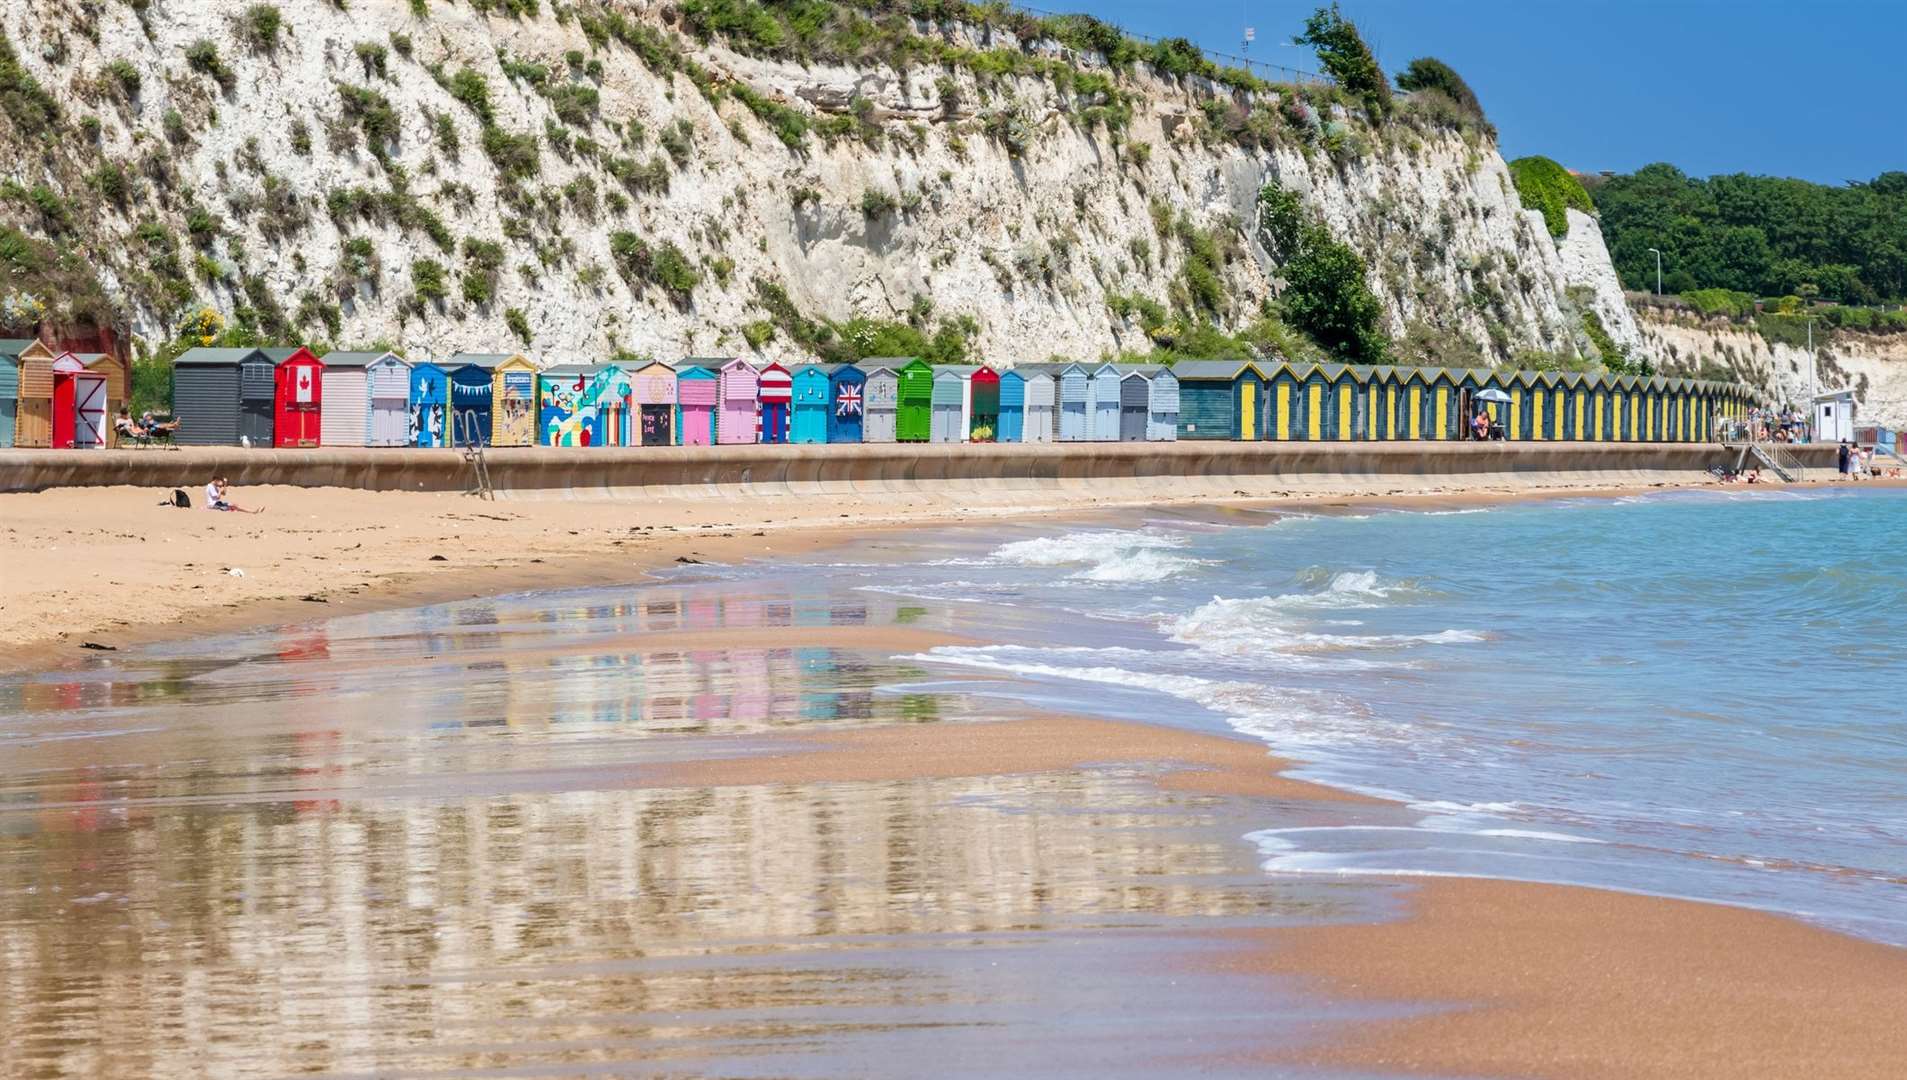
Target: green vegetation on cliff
1543,185
1760,235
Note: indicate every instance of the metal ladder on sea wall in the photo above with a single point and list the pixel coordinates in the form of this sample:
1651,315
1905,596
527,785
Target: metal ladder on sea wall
465,430
1773,458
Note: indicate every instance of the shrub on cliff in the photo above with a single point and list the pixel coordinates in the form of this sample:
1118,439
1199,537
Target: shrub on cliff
1543,185
1325,292
1442,92
1342,51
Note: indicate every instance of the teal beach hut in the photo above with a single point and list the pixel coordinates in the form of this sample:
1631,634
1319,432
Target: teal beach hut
1219,399
812,398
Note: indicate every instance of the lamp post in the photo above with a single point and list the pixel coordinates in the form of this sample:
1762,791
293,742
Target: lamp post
1658,270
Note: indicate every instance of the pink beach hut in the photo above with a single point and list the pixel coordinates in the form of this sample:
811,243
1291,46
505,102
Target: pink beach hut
740,385
697,394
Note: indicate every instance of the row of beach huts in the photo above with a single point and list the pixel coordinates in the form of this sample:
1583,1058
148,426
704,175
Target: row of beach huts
289,397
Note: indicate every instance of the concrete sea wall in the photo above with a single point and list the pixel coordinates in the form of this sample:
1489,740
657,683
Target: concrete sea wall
686,471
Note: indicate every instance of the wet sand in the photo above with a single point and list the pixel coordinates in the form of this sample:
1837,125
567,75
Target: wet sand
675,872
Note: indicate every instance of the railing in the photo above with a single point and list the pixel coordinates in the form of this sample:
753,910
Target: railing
1277,73
1751,438
466,430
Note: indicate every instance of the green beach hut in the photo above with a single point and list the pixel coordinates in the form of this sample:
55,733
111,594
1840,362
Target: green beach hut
914,409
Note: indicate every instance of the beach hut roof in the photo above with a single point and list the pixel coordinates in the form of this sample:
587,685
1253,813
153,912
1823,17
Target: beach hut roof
194,357
965,370
487,361
15,346
354,359
1209,369
280,354
825,369
576,369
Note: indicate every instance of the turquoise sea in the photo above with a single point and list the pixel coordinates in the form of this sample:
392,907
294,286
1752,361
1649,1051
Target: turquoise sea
1692,694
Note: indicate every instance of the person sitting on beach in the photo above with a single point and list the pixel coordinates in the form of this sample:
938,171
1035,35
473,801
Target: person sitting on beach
124,425
215,498
156,426
1481,425
1754,475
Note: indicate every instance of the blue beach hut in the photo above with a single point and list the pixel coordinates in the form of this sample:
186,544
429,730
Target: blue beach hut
430,399
470,395
1219,399
1012,406
1075,409
812,397
1103,399
847,412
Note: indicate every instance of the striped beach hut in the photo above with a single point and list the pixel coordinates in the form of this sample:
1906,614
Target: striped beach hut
1135,401
952,402
776,396
1284,401
739,393
512,394
880,395
847,403
1441,390
1075,402
813,398
429,406
1219,399
698,396
653,391
1162,404
983,412
366,396
1012,426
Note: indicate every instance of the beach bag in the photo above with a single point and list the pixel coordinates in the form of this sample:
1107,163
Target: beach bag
180,499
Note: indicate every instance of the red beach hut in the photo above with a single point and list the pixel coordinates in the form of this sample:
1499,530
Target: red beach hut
297,398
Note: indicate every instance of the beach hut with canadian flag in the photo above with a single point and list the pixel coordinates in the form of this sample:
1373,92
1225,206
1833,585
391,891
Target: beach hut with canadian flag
697,392
739,386
298,397
776,395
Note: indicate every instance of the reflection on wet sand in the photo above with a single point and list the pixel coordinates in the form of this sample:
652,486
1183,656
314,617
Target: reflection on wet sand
410,843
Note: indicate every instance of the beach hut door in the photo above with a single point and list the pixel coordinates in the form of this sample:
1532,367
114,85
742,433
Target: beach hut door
658,425
89,411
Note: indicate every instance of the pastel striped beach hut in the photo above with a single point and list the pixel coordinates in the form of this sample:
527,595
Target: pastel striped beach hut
367,399
880,395
698,396
740,387
653,390
813,398
847,407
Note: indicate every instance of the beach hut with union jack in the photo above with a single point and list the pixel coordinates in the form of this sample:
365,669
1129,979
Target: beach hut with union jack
847,414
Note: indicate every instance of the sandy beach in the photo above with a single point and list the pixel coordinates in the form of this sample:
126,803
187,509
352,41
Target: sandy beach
1491,978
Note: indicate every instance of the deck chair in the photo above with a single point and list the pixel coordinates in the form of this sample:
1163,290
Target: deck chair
129,434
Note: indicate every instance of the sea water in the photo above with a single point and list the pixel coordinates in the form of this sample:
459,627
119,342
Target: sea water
1698,695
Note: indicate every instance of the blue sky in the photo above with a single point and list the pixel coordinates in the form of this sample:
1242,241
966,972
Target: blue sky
1807,88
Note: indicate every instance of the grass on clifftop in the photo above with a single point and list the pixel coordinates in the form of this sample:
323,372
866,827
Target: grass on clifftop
1546,186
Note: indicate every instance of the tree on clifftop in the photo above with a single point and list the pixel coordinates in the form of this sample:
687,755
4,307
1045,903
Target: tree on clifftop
1325,294
1429,75
1342,51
